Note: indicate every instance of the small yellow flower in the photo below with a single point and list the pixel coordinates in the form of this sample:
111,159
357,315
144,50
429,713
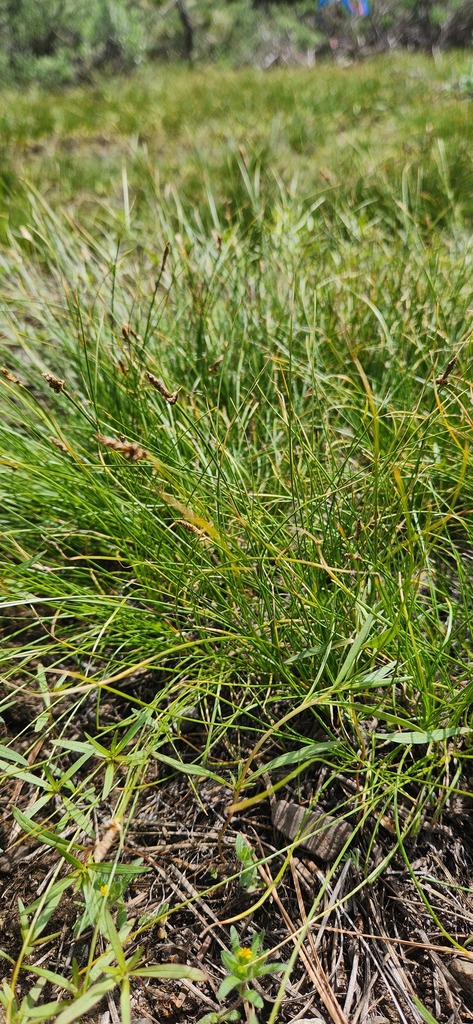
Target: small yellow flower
244,954
104,890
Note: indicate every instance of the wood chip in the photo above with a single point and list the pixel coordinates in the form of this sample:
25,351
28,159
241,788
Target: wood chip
462,970
320,834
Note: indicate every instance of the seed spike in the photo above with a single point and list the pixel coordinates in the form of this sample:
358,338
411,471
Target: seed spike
169,396
130,450
55,383
11,376
167,250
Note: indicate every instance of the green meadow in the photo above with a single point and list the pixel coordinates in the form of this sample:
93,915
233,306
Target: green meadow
236,541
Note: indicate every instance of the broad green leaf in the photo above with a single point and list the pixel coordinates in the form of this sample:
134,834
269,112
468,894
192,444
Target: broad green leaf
355,649
429,736
311,652
227,985
424,1012
75,814
11,755
305,753
125,1006
86,1002
271,968
44,836
108,781
44,1012
254,997
98,747
376,643
227,959
54,894
242,850
33,780
110,933
55,979
190,769
75,767
77,745
174,971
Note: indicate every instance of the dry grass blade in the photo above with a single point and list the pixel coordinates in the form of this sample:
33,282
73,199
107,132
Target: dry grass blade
310,959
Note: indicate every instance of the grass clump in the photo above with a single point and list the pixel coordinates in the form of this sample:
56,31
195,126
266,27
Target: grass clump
393,127
236,527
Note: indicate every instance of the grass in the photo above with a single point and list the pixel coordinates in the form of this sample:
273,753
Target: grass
277,560
327,127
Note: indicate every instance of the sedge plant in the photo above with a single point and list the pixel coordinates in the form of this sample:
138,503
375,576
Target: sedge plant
235,493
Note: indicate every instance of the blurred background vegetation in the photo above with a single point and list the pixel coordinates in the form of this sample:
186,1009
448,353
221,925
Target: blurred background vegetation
56,42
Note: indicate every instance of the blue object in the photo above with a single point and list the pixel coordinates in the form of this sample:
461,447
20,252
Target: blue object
354,7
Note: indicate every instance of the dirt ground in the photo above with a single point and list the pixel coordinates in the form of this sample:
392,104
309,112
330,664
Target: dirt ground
372,949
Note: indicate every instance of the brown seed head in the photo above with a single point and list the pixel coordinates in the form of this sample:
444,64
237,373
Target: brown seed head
11,376
54,382
190,527
128,333
446,373
130,451
213,369
169,396
167,250
59,444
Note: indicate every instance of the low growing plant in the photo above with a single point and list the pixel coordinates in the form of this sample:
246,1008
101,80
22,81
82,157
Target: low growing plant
249,878
243,965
